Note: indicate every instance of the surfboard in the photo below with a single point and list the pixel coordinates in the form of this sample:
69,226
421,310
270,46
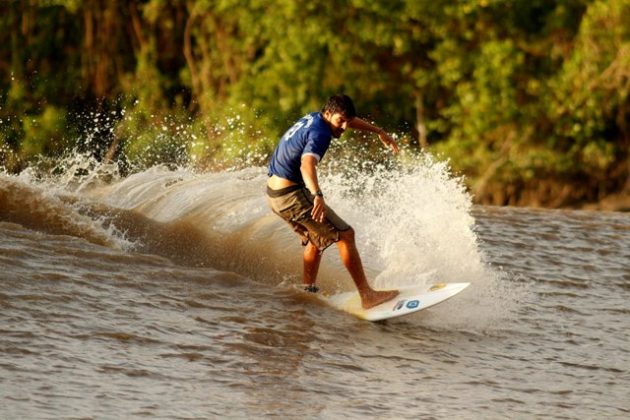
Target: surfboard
411,299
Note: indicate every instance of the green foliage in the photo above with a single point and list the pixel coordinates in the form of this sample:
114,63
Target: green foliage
44,134
591,90
509,91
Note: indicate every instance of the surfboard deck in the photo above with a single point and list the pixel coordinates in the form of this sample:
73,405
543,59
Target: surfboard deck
411,299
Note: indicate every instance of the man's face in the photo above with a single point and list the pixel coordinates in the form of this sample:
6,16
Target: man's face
337,122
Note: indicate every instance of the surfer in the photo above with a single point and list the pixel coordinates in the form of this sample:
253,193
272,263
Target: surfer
295,195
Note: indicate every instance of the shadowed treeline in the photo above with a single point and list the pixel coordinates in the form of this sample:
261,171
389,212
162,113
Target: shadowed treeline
528,98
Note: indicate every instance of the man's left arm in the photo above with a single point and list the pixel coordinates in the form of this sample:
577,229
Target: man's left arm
387,140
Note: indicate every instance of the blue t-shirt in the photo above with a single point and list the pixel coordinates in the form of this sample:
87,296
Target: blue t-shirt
311,135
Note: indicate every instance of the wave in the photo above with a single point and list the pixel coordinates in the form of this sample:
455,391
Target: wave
52,211
412,220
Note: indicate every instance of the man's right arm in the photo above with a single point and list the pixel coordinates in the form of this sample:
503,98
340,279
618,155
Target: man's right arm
308,168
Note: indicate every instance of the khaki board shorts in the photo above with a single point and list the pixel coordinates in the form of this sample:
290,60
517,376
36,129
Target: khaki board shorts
294,204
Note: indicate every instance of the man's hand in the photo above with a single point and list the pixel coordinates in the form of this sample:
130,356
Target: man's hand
388,141
319,209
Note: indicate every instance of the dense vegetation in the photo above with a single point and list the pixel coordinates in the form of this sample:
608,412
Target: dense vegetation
528,98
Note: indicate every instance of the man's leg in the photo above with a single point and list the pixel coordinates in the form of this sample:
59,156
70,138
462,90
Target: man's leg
312,258
352,261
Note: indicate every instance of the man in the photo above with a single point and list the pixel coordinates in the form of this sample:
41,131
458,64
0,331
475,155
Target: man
295,195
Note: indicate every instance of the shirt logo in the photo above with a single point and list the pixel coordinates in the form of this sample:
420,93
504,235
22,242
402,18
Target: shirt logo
303,123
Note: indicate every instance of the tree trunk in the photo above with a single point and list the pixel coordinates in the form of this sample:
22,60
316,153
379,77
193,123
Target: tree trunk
190,58
136,25
420,125
16,47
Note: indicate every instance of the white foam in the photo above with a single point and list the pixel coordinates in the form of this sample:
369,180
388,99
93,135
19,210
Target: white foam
413,221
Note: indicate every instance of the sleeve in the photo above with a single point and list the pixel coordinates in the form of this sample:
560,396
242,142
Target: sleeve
316,146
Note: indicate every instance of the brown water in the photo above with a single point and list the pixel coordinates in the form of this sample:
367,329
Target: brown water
168,294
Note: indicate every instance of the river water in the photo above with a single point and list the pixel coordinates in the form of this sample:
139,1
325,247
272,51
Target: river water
170,294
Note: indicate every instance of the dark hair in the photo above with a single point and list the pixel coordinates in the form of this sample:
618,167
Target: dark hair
341,104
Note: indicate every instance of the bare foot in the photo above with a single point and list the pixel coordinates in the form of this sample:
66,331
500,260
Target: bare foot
376,297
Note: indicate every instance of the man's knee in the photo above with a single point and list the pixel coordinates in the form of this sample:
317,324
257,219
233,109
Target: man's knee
347,235
311,249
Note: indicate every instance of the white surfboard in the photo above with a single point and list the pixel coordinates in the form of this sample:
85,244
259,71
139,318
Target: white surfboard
411,299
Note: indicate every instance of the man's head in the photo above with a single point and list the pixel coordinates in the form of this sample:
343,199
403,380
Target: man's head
338,112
